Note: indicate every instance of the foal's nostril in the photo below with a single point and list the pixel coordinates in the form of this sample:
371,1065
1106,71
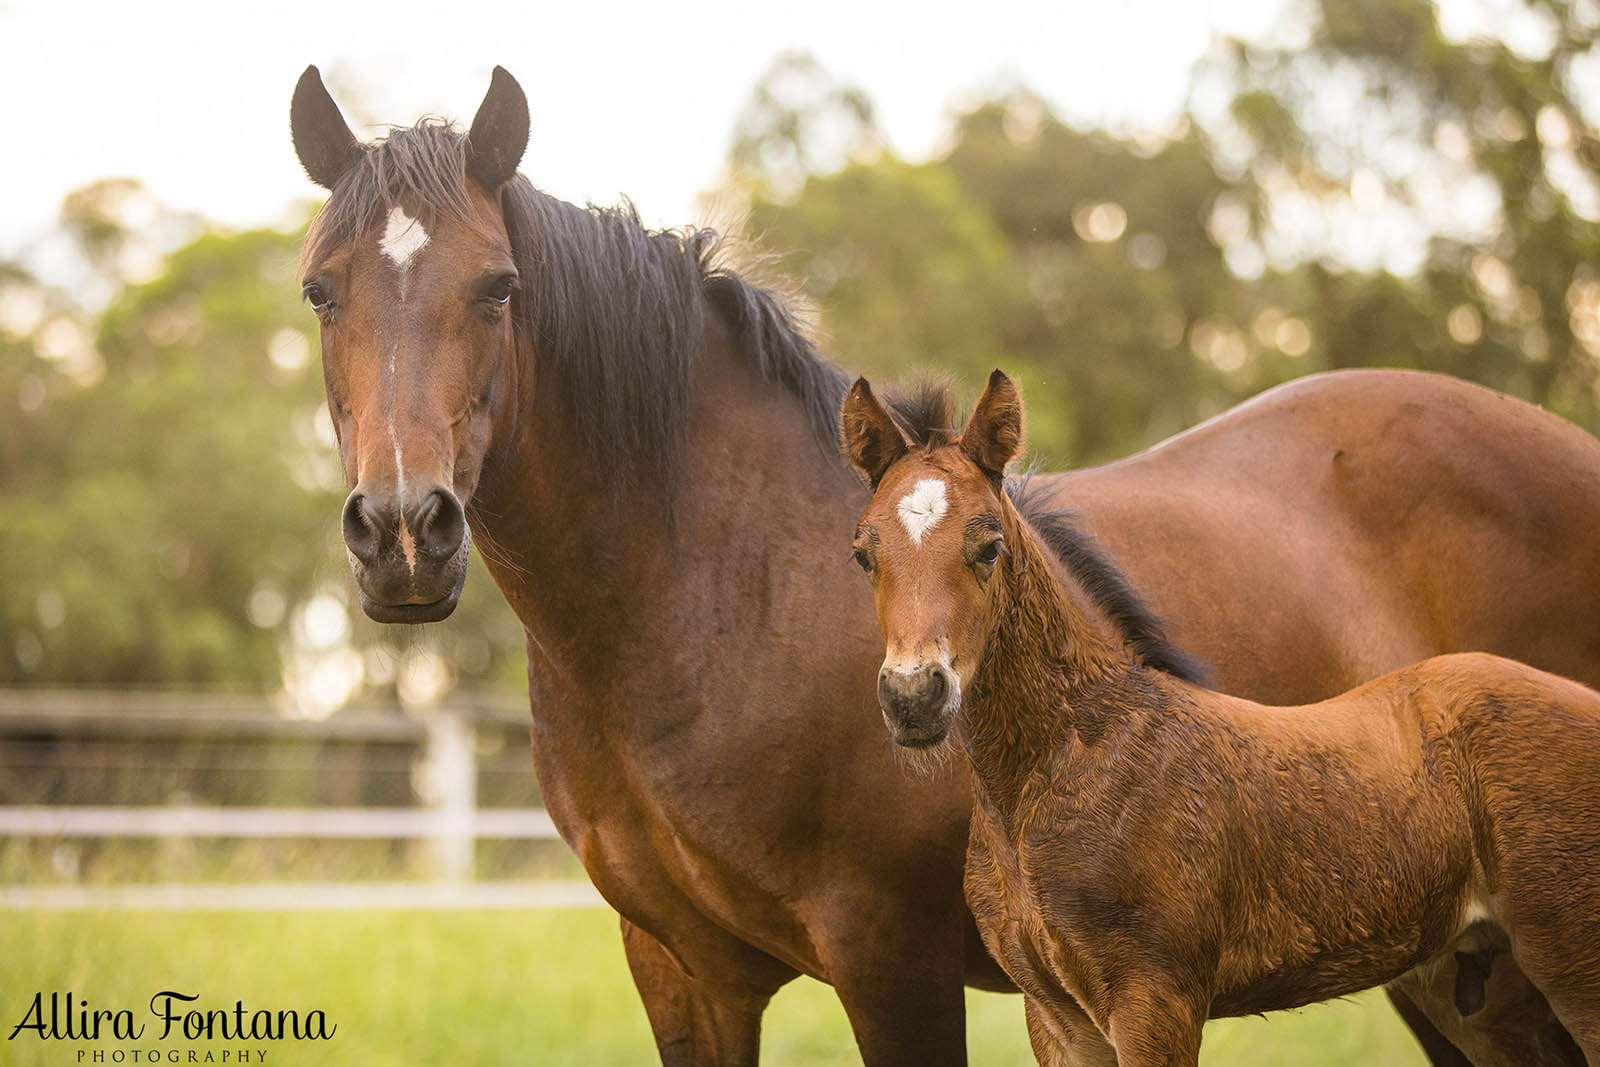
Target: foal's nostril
440,524
919,691
361,529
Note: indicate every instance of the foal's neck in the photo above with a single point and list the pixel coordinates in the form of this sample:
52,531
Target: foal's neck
1049,653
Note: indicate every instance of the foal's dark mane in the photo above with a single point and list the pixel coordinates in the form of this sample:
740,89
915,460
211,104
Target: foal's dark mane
617,314
1105,584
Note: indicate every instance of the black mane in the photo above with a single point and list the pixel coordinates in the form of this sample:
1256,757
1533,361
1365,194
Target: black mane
1105,584
616,311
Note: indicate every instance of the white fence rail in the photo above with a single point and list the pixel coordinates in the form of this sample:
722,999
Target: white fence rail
31,820
333,896
445,738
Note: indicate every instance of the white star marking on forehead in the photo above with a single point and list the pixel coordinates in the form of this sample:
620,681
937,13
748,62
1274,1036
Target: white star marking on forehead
402,238
921,509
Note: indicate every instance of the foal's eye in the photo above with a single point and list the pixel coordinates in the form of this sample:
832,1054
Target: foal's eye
862,560
990,552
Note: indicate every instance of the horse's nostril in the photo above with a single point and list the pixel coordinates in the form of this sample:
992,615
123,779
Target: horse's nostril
360,526
440,524
938,687
425,514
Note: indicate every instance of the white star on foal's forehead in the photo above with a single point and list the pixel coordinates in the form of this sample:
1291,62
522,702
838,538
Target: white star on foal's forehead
403,237
921,509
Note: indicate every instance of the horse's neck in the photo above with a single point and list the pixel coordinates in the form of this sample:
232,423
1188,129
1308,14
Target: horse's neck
617,601
1047,661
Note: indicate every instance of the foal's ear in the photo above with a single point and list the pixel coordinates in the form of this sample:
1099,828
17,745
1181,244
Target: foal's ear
867,434
993,436
323,142
499,133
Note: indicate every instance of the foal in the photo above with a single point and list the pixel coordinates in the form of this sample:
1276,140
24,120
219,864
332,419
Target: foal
1146,853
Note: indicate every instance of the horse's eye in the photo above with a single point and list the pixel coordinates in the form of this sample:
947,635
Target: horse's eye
862,559
498,292
317,297
990,552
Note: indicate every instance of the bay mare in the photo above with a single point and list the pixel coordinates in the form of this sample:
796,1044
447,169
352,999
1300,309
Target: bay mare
641,444
1147,853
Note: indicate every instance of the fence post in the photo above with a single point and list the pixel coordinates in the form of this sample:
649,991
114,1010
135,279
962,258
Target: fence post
452,764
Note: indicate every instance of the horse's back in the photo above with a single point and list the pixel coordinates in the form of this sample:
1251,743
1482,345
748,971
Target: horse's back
1347,524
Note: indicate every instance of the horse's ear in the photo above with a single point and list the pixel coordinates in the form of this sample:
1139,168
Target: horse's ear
499,133
867,434
993,436
323,142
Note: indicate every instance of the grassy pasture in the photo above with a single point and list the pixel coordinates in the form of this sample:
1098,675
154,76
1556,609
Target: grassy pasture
547,988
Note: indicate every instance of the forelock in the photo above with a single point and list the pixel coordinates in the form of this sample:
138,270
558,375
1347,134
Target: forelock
422,168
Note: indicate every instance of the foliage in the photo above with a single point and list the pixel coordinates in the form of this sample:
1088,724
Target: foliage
134,536
1478,152
169,481
1079,262
799,121
1369,192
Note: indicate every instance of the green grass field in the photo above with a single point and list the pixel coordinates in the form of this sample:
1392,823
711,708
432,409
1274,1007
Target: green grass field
543,988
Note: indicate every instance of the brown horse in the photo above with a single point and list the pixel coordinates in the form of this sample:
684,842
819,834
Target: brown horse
1145,852
642,444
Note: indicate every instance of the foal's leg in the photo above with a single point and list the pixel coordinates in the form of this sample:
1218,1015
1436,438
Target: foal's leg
697,1020
1067,1037
1155,1027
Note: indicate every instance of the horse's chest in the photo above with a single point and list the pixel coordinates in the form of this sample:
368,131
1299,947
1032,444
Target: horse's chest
669,843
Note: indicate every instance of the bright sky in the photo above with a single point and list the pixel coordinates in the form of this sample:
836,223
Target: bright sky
192,98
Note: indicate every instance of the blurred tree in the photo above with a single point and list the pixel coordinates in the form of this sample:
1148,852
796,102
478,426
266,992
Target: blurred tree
1080,262
1135,328
798,121
908,270
171,489
1367,190
1463,162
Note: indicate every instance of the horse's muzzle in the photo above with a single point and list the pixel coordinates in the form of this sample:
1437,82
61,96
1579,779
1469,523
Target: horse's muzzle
409,556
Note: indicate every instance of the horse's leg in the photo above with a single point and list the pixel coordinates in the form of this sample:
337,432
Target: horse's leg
696,1019
1049,1044
1066,1037
899,972
1555,935
1577,1005
1514,1028
1574,995
1440,1052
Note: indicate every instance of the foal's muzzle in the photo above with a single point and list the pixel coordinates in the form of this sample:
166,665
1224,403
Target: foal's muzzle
409,554
919,703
